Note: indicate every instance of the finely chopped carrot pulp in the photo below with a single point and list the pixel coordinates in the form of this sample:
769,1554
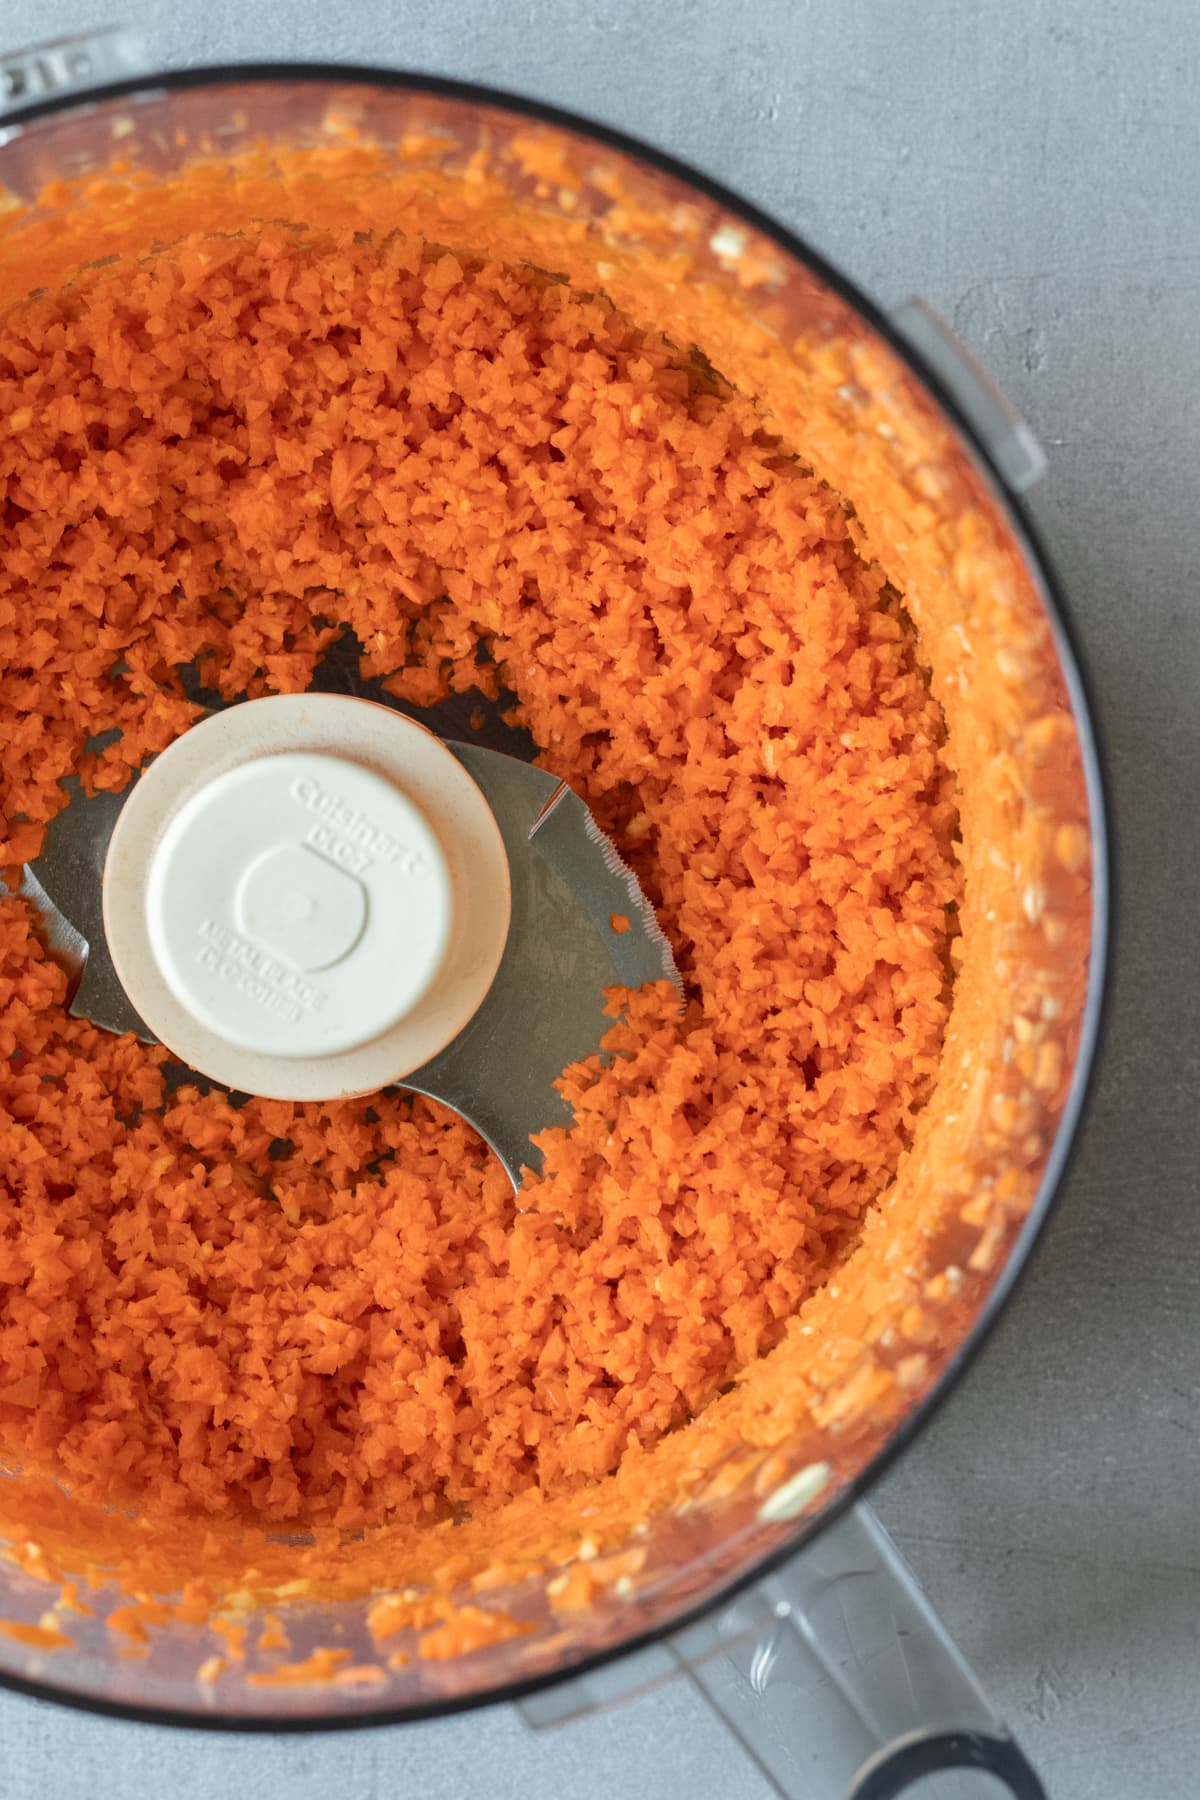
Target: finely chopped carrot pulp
218,457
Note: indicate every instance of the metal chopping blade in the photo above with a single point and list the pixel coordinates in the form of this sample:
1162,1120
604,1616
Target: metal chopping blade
545,1007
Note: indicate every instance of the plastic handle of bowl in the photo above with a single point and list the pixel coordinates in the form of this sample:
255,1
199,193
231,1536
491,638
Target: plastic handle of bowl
1015,452
850,1687
69,65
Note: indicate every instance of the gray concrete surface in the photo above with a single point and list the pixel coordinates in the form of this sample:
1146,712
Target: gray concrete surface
1031,166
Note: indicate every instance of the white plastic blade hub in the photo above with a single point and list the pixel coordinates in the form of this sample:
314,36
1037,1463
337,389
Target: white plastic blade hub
306,896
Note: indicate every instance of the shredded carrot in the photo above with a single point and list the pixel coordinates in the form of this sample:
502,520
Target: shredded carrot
273,1636
195,1603
132,1621
618,923
713,665
238,1318
38,1637
469,1628
322,1666
574,1590
391,1613
234,1635
359,1676
68,1599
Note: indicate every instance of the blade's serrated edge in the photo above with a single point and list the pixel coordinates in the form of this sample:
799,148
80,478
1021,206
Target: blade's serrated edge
619,869
616,865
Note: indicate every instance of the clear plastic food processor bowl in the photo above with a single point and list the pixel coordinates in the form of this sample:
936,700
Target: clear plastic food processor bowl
761,1574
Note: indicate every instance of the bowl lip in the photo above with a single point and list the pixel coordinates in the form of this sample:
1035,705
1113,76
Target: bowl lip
1080,691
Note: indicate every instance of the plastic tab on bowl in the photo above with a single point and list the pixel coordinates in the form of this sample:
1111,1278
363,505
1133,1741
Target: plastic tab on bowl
69,65
1008,440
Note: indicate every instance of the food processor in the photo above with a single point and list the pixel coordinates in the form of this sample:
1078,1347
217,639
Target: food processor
755,1572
